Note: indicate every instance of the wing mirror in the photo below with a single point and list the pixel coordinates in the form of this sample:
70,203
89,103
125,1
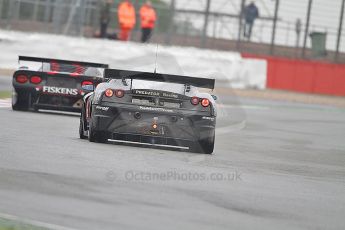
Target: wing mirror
88,87
214,97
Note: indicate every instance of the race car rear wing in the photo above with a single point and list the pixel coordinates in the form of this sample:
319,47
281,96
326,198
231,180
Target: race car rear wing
49,60
125,74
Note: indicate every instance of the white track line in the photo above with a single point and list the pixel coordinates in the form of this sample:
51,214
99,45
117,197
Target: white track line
33,222
5,103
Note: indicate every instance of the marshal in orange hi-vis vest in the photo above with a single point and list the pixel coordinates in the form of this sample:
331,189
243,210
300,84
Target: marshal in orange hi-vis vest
126,15
147,16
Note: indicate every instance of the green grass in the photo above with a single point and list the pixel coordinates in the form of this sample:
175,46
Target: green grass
5,94
20,227
14,225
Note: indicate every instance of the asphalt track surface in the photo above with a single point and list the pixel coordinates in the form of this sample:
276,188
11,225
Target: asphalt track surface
277,166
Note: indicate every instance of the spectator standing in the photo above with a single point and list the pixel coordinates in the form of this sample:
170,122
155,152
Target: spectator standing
105,17
148,20
251,13
126,17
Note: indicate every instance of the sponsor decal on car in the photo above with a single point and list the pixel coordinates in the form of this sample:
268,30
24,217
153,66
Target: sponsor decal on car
156,109
145,92
103,108
171,95
59,90
155,94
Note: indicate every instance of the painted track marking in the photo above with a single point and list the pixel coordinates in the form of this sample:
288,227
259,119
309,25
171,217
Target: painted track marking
5,103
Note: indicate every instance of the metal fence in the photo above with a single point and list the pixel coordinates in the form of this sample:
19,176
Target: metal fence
204,23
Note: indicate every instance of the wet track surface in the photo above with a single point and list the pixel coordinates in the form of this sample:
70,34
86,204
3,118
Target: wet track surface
279,166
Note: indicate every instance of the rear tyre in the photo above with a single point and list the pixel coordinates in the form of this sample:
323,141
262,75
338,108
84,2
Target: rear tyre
81,124
92,134
205,146
101,137
81,130
20,101
96,136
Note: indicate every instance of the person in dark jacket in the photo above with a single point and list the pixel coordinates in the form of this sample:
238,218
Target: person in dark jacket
105,17
251,12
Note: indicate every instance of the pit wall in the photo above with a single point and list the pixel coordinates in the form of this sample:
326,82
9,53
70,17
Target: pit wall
304,76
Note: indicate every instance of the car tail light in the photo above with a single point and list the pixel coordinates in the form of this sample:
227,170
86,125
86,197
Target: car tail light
109,93
22,79
195,100
205,102
87,83
35,80
119,93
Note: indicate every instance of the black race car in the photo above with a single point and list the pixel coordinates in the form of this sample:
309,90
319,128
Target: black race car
151,109
53,84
